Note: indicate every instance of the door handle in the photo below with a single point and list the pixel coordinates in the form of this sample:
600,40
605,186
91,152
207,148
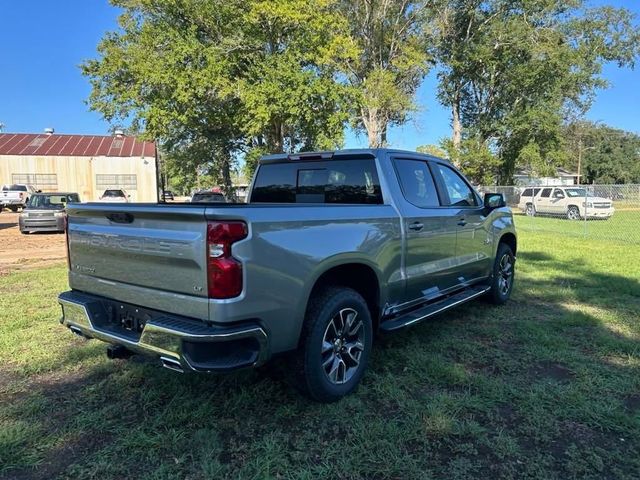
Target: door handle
416,226
462,222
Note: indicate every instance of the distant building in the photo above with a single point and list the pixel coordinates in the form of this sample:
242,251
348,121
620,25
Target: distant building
524,177
86,164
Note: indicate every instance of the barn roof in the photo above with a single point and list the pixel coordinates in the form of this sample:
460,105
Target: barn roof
34,144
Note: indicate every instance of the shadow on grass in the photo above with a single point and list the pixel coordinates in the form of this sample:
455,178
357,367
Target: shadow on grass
537,388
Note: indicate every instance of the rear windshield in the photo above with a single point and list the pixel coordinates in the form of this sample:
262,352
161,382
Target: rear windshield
334,181
53,201
18,188
208,197
113,193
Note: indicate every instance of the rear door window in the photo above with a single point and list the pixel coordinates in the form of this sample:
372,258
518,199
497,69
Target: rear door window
546,192
334,181
417,183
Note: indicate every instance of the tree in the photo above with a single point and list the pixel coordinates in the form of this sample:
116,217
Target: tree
606,155
390,64
513,70
212,80
434,150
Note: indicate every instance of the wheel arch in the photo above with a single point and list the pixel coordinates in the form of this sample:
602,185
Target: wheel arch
356,275
510,239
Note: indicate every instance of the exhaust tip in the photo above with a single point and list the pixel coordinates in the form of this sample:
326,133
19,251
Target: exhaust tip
75,330
171,364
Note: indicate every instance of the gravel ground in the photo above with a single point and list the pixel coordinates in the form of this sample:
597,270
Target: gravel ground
25,252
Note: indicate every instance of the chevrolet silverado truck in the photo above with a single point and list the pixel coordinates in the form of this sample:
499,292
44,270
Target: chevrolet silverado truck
332,249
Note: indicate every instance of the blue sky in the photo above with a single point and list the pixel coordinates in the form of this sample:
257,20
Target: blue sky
42,42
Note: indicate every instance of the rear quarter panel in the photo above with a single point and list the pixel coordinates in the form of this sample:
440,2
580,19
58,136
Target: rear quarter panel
290,246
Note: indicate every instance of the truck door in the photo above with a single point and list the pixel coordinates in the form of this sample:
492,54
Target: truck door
543,204
474,240
430,232
557,202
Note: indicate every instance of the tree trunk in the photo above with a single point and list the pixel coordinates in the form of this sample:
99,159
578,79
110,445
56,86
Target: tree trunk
376,128
383,136
456,123
227,184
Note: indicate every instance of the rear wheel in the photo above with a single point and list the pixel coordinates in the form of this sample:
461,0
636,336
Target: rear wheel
335,345
503,275
573,213
530,210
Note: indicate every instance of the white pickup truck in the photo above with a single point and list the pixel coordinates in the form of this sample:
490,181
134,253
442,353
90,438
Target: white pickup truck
15,196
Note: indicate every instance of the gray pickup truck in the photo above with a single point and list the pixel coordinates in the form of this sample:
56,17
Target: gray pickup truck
332,249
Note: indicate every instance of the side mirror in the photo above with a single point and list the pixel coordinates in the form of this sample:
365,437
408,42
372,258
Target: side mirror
493,201
38,191
558,195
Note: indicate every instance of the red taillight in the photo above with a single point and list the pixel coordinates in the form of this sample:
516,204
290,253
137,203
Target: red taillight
224,273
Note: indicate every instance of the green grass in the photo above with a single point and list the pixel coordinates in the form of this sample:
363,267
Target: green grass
547,386
623,226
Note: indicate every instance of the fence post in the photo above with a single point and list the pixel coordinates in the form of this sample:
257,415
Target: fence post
586,209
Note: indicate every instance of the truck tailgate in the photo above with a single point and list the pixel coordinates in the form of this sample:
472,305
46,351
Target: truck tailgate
150,246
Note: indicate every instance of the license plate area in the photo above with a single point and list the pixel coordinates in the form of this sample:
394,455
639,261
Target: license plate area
125,320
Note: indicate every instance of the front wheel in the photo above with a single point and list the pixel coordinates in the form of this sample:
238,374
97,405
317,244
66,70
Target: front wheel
503,275
335,345
573,213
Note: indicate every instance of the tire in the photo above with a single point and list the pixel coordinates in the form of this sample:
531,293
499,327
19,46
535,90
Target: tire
503,275
530,210
24,232
573,213
330,363
13,209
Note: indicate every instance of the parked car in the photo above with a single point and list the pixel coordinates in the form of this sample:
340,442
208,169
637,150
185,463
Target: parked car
167,195
115,195
331,248
207,196
573,203
15,196
46,212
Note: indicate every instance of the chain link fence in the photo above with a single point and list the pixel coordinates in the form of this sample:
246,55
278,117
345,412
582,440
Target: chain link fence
608,212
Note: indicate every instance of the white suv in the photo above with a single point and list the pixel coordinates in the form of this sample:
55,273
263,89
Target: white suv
573,203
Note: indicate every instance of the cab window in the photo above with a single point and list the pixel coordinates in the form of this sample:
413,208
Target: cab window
459,193
416,183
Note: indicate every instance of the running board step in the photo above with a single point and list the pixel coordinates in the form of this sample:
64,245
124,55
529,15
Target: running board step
433,309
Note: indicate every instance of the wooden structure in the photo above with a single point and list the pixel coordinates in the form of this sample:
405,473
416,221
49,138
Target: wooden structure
86,164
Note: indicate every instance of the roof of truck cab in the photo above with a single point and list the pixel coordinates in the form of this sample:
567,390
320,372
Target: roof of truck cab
335,154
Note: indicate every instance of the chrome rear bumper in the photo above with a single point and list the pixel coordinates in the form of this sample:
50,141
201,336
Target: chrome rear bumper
181,343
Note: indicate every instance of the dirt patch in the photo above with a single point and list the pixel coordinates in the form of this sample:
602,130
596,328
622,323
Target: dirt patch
553,371
26,252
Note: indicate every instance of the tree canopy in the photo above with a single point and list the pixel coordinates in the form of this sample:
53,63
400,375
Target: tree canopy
216,81
512,71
